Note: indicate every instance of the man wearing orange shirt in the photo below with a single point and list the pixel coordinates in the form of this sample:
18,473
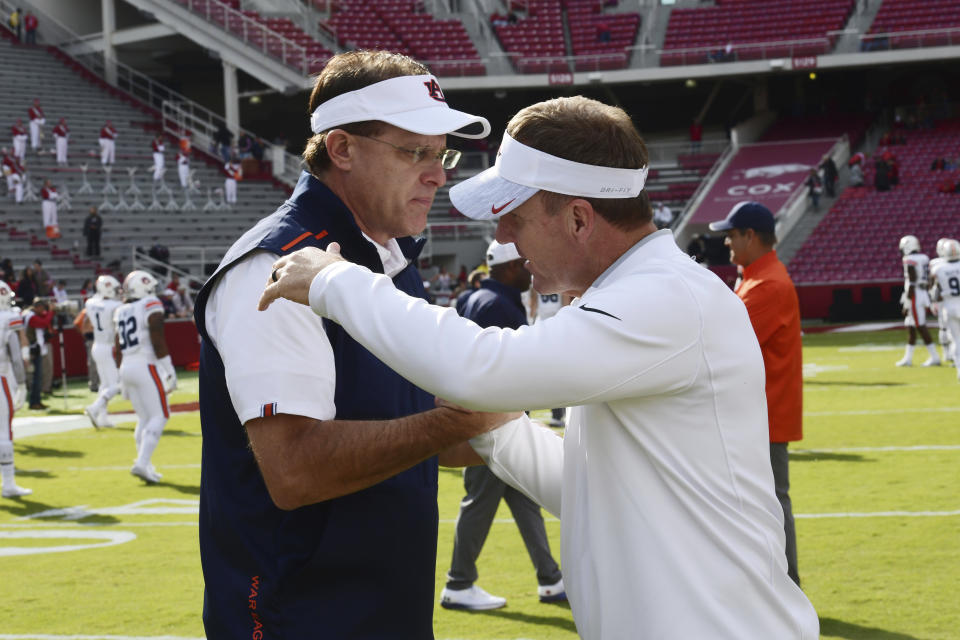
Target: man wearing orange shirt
771,301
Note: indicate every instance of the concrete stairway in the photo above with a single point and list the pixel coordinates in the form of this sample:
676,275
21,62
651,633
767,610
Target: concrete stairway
87,105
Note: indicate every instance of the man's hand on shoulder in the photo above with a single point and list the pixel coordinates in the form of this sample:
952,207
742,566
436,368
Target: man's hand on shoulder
292,274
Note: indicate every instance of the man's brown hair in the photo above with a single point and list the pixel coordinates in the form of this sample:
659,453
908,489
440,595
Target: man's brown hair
349,72
589,132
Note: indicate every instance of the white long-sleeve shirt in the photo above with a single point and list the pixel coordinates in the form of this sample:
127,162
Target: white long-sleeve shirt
670,524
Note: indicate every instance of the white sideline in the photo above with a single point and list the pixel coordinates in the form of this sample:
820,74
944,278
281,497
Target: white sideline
44,425
24,427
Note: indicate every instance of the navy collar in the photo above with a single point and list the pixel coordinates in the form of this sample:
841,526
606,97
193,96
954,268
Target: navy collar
312,196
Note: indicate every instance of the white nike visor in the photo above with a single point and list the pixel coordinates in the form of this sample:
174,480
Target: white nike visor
412,103
520,171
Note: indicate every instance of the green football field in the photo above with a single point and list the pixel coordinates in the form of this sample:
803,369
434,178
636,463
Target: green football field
95,553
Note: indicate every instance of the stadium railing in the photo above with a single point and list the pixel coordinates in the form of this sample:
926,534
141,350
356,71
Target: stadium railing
718,167
796,205
742,51
187,263
949,36
179,114
250,31
667,153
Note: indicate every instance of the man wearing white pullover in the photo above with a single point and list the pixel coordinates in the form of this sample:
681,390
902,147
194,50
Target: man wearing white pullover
670,524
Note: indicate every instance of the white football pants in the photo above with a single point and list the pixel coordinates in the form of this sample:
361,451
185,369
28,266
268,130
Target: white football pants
144,388
102,355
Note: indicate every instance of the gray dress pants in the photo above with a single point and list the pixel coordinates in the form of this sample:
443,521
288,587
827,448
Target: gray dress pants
781,481
477,511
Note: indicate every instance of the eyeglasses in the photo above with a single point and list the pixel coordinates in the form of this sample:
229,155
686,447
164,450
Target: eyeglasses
448,158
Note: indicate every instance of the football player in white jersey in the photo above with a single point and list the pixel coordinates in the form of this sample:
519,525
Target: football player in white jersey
946,276
543,306
12,388
100,309
146,369
915,301
936,297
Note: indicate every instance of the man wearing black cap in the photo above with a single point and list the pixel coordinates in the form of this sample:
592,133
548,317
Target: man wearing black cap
771,300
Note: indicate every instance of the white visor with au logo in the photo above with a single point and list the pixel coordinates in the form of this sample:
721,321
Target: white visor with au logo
413,103
520,171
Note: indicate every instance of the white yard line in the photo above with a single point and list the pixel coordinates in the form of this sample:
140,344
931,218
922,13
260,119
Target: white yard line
47,636
851,514
127,468
126,525
881,514
919,447
878,412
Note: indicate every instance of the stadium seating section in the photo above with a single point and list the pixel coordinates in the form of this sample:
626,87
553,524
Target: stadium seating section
754,28
675,185
400,26
857,240
587,25
935,17
832,125
534,41
534,38
67,89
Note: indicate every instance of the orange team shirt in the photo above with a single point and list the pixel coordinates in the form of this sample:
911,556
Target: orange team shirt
771,300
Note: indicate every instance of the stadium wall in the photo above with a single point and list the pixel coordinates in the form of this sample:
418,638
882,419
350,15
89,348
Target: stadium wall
182,340
850,302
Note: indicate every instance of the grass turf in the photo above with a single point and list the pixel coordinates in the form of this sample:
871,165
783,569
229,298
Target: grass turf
874,568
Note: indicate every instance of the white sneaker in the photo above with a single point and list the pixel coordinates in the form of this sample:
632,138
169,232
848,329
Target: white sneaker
552,592
472,599
147,474
15,492
904,362
104,419
931,362
93,415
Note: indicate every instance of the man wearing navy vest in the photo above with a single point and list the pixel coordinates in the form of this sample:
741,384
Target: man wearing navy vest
318,512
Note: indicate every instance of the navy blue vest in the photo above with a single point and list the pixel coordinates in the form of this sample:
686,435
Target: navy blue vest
358,566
